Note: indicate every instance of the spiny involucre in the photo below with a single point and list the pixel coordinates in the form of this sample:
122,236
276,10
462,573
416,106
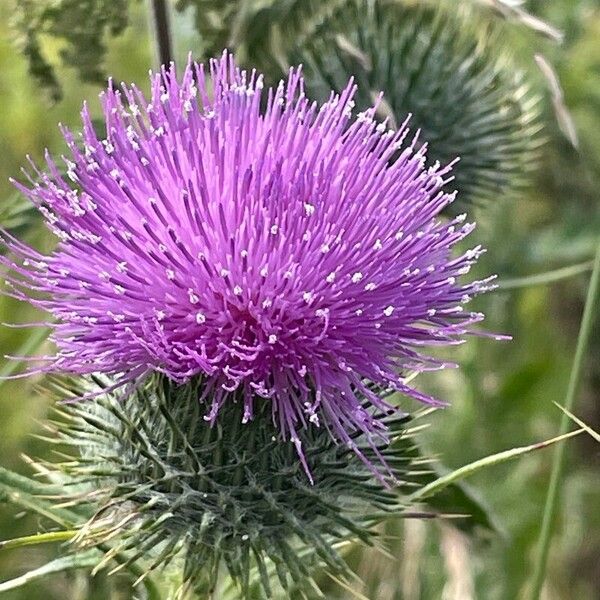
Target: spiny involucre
284,251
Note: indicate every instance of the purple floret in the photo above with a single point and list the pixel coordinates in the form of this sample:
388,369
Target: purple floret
279,249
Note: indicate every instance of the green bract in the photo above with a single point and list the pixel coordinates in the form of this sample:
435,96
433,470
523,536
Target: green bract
166,485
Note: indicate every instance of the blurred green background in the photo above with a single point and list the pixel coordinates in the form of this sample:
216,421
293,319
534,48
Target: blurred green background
500,398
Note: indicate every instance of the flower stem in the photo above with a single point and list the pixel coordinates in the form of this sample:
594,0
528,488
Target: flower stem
547,277
162,31
559,455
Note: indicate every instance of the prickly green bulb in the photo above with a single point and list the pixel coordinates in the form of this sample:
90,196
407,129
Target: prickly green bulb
165,484
464,93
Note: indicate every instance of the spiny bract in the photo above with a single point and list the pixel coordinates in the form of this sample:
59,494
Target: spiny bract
164,484
277,248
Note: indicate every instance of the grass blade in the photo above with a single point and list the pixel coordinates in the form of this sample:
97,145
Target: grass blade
39,538
559,457
547,277
579,422
495,459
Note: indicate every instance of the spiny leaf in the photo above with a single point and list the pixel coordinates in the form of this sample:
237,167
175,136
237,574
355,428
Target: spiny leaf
26,493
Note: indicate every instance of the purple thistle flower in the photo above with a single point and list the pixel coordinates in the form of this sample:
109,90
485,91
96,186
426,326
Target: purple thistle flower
276,248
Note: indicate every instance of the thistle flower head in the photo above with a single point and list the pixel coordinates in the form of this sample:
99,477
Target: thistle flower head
285,252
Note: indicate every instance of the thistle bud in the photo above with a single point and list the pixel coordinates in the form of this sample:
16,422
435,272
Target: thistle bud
166,484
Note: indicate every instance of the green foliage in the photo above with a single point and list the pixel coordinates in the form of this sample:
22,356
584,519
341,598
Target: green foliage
27,28
80,25
258,30
17,214
502,395
59,565
213,20
39,498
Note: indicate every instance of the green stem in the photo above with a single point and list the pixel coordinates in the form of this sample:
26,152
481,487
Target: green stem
547,277
39,538
559,456
162,31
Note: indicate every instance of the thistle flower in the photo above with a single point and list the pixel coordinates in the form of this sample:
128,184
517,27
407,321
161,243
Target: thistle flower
162,484
286,253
